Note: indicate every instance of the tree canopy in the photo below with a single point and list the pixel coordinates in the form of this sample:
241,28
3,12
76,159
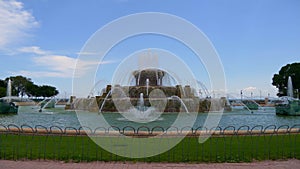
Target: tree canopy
19,84
280,80
22,86
2,88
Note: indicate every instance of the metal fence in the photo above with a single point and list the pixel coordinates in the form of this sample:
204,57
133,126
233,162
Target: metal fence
227,144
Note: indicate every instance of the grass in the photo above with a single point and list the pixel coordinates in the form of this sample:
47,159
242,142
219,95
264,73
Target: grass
215,149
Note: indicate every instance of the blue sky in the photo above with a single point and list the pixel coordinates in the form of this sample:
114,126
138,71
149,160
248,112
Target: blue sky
41,39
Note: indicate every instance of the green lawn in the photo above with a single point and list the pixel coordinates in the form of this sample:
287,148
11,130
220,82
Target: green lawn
216,149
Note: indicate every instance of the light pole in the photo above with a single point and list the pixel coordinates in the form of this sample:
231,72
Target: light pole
259,94
241,94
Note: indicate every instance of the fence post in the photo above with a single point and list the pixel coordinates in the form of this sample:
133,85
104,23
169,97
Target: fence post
266,132
57,146
15,148
2,141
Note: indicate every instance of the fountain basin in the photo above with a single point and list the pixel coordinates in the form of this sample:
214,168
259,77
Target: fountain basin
7,107
6,104
288,106
251,105
48,104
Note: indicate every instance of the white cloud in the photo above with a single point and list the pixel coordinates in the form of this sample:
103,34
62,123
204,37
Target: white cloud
57,65
64,66
33,74
33,49
15,22
48,64
250,88
87,53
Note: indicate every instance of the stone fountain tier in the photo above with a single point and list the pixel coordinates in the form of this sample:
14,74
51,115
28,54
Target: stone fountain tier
193,103
155,77
134,91
172,105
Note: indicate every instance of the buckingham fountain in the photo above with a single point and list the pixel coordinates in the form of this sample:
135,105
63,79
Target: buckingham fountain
150,91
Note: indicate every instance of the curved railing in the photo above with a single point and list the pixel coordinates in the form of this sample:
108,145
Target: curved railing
157,130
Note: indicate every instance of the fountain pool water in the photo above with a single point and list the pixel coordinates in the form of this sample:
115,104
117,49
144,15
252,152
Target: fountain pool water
141,116
141,113
67,118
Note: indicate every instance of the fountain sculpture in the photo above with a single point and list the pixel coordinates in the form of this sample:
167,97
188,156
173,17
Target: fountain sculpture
6,104
288,105
47,104
290,90
8,90
141,101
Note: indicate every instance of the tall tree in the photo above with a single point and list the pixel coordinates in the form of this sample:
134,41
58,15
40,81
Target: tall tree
19,84
2,88
280,80
24,86
32,90
47,91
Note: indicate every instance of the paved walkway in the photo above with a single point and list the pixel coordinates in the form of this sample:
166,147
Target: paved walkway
4,164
